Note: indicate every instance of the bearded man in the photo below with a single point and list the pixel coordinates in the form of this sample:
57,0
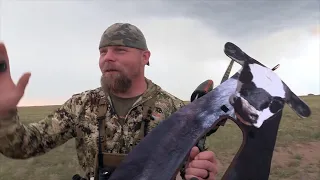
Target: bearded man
130,106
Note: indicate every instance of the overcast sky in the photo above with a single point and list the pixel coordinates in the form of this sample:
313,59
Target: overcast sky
58,41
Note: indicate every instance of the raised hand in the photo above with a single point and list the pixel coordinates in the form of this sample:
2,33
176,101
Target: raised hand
10,94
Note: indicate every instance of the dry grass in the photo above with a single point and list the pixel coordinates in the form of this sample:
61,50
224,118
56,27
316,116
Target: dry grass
296,155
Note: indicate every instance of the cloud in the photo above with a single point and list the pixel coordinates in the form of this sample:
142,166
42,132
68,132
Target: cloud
297,52
236,18
57,42
185,52
301,70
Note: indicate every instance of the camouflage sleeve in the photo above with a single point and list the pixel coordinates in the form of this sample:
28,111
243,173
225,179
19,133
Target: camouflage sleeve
19,141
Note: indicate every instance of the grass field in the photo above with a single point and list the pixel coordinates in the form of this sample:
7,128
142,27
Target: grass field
296,156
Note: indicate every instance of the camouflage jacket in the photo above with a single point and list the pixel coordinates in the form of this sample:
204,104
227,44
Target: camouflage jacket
77,118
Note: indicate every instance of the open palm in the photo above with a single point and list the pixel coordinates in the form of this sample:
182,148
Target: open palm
10,93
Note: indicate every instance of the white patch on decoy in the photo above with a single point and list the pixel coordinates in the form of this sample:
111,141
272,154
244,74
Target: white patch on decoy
268,80
253,98
263,115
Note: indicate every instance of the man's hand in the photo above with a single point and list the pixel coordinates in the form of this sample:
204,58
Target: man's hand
10,94
201,165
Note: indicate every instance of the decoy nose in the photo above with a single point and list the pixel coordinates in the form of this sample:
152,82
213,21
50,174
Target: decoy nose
253,116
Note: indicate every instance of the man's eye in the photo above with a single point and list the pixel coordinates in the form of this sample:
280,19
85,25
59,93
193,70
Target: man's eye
120,50
102,52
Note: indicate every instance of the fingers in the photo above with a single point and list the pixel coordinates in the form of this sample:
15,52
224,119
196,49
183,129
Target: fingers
203,165
4,60
192,177
22,83
196,172
206,155
200,164
210,162
3,53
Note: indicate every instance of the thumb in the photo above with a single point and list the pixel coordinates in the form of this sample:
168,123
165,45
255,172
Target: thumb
22,83
194,151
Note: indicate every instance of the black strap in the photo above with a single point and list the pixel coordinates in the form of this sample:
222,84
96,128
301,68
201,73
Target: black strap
101,129
148,107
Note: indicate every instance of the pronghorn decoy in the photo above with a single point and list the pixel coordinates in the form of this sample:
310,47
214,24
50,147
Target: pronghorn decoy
253,98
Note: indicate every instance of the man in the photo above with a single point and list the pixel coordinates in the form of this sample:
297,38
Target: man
121,101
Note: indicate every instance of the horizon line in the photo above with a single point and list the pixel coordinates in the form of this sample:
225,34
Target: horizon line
23,106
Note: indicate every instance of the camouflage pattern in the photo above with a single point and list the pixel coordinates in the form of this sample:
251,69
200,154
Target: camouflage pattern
77,118
123,34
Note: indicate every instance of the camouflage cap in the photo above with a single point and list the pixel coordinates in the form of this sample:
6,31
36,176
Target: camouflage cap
123,34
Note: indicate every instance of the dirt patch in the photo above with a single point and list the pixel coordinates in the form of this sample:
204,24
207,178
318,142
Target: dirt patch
306,152
297,161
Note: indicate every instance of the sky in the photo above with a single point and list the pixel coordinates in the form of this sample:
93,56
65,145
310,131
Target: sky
58,42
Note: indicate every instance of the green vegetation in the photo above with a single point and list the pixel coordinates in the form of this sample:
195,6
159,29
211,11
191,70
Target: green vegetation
296,155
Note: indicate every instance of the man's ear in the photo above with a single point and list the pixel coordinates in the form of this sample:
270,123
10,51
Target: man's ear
146,56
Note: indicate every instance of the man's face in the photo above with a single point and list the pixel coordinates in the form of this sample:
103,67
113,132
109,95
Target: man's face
120,65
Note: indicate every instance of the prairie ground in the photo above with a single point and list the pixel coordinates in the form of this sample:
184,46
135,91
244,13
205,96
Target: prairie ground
296,155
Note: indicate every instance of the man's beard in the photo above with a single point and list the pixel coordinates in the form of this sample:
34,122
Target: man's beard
116,83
